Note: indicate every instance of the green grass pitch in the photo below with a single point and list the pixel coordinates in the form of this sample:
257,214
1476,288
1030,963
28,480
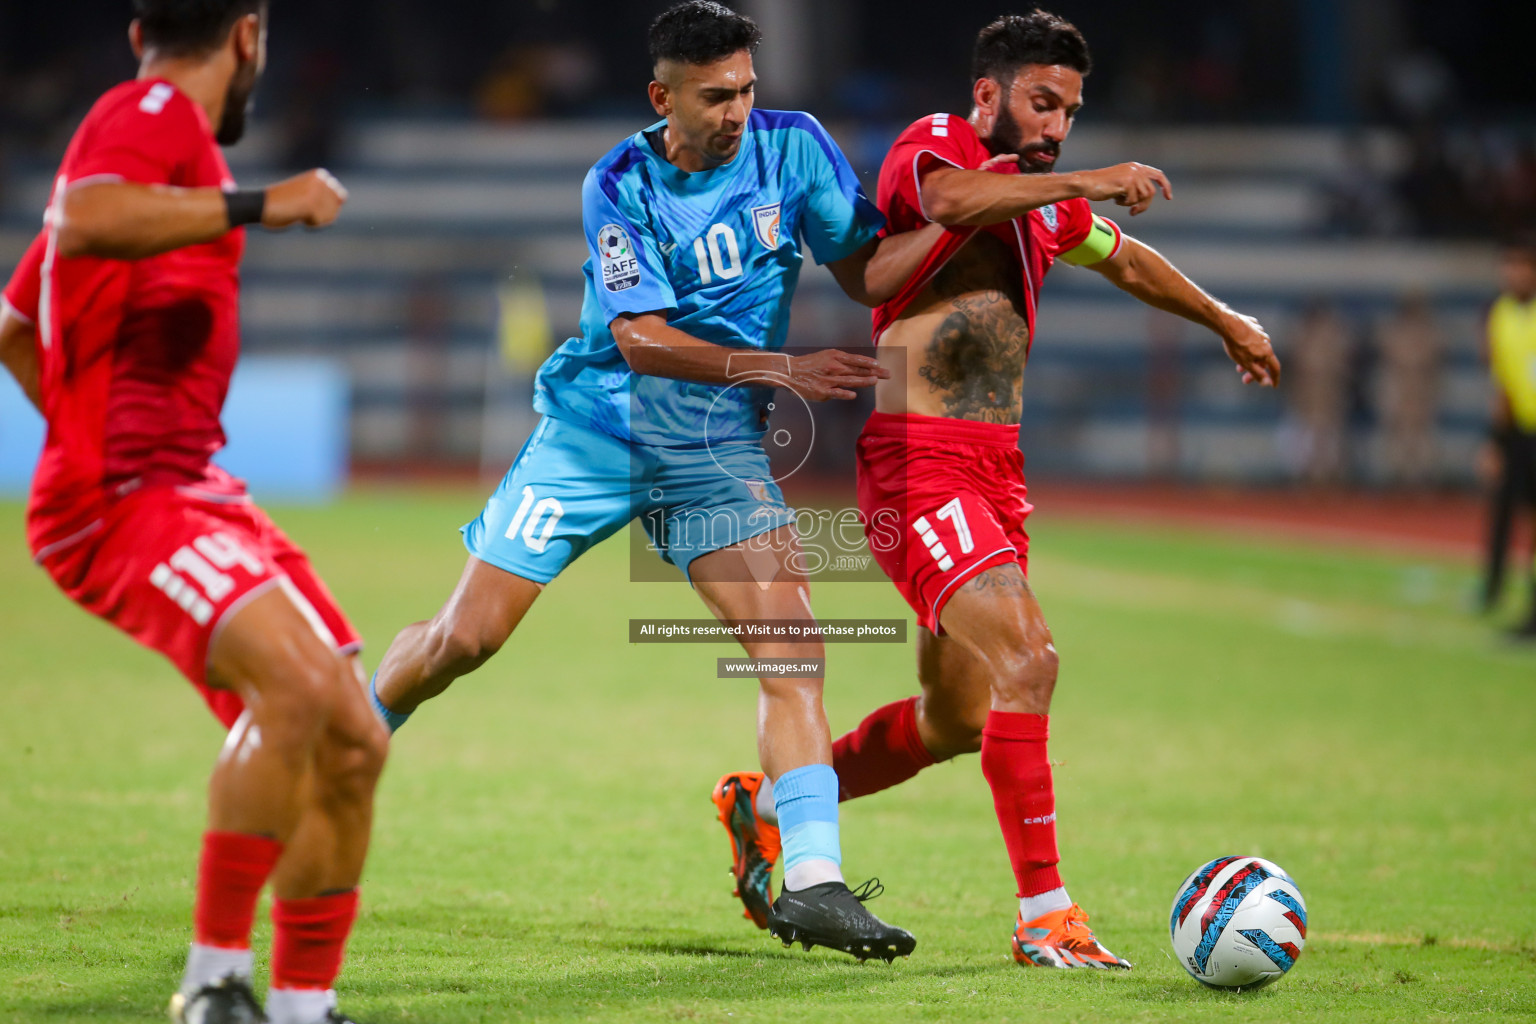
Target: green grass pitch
546,848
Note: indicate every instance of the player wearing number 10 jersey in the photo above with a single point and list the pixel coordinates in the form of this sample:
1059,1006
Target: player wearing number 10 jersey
696,229
940,458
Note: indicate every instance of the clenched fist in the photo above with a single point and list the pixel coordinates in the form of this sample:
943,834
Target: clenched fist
313,199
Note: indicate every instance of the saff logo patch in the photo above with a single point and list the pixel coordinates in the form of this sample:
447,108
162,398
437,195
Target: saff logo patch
1048,214
619,264
765,224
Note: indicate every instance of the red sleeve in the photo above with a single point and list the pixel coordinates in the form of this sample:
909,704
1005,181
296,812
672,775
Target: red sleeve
945,138
1075,218
21,293
937,137
147,135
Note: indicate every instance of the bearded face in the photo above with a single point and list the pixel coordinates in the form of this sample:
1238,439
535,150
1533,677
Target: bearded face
238,100
1008,137
1034,112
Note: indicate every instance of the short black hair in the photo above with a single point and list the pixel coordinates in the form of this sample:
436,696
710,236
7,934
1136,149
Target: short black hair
701,32
186,27
1039,37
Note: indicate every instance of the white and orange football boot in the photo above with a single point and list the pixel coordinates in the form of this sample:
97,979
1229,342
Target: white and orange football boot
1062,938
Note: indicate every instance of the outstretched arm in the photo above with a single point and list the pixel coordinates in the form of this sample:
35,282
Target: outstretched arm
653,347
1145,273
953,196
18,351
127,221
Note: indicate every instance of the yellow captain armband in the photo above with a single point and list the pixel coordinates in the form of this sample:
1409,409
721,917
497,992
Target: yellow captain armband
1103,241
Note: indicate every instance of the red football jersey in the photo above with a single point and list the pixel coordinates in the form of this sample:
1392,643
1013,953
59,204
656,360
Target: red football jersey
136,354
22,289
1038,237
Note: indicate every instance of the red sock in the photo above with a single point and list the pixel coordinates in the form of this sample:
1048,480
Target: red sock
885,749
233,868
309,937
1014,761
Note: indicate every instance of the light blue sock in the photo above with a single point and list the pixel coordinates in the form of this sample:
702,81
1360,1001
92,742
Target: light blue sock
393,719
806,802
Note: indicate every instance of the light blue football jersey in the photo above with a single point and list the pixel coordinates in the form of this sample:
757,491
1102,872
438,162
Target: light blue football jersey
719,253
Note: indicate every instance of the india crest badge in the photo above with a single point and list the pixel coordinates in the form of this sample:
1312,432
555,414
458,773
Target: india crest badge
765,224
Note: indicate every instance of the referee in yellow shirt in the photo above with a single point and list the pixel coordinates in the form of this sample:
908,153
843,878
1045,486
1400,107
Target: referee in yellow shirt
1512,361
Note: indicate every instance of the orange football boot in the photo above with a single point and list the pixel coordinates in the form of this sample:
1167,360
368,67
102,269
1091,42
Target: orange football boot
754,842
1062,938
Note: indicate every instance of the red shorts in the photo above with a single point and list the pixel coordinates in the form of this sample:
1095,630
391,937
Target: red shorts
941,499
170,569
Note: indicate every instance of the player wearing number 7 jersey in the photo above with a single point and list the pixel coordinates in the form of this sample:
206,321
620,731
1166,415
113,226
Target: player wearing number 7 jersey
939,462
695,229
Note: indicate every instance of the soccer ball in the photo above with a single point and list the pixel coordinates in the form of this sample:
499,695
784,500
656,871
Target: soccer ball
614,242
1238,923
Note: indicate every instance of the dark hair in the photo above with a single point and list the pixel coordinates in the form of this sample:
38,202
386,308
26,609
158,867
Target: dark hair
184,27
701,32
1015,40
1522,244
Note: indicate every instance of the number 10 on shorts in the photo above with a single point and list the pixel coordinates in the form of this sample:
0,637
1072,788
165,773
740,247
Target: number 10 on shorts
952,511
530,514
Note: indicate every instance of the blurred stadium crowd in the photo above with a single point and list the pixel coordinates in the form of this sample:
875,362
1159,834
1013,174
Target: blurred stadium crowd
1342,169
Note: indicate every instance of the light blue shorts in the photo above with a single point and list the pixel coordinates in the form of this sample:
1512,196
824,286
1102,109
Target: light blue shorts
572,487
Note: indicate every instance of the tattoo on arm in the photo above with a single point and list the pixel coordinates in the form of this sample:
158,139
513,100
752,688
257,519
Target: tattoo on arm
1002,577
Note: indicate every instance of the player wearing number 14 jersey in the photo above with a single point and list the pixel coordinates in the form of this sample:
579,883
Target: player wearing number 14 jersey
122,326
939,459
